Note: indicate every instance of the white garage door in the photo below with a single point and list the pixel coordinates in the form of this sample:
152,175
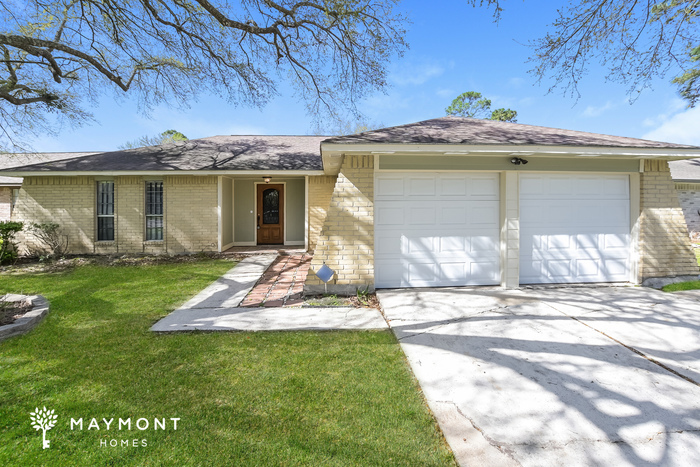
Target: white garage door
574,228
436,229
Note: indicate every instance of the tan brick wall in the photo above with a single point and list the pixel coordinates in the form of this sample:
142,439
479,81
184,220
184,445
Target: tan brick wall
346,241
320,192
67,201
191,214
130,212
5,202
665,248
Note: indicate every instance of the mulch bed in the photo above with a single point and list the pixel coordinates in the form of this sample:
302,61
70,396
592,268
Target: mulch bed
368,301
34,265
11,311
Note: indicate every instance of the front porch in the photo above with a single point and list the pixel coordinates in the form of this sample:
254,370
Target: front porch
264,250
263,213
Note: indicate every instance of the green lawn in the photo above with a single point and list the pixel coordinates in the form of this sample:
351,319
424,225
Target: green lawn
283,398
691,285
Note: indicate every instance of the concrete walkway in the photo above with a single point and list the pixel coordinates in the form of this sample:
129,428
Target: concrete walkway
218,308
230,289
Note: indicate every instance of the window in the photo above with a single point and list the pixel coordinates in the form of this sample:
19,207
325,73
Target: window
105,211
154,210
271,206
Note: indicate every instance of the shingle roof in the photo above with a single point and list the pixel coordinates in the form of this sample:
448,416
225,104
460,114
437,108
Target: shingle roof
462,130
688,170
8,160
213,153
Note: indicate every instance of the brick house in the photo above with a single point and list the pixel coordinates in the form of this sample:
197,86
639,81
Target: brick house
10,186
686,177
449,201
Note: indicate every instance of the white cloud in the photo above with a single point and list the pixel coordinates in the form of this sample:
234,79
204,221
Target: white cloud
682,128
446,93
380,103
515,82
415,74
673,107
593,111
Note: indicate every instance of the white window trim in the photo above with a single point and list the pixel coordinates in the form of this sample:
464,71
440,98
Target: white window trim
145,211
97,211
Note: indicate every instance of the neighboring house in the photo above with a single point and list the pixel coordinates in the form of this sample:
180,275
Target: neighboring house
686,176
9,186
445,202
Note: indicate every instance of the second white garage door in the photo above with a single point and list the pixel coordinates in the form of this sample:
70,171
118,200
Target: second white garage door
574,228
436,229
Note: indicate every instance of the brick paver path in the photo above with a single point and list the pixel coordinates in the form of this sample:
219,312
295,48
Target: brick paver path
282,284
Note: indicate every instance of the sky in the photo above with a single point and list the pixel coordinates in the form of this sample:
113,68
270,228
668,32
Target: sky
454,48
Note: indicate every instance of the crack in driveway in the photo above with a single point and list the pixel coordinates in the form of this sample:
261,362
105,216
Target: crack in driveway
506,452
446,322
629,347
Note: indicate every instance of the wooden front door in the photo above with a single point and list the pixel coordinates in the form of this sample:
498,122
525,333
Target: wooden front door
270,214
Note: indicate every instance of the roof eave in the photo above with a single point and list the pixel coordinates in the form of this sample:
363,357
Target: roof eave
160,173
539,150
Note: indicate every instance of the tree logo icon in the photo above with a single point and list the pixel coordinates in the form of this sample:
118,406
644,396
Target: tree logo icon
43,420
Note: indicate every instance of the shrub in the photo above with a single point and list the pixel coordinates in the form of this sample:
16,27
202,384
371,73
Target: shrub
8,230
51,236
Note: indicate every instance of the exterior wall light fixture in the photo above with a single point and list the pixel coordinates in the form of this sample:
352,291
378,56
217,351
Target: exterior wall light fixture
518,161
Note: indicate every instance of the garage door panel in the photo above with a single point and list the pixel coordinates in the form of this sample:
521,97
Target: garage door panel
484,243
558,268
584,187
386,245
616,242
617,269
484,271
443,230
389,186
418,245
453,244
485,187
530,214
453,186
560,186
421,215
578,236
532,187
416,273
451,215
389,273
389,215
422,272
421,186
588,268
588,241
484,214
613,188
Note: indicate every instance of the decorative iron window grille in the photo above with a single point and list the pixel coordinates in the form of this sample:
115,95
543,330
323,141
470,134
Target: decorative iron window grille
105,211
154,210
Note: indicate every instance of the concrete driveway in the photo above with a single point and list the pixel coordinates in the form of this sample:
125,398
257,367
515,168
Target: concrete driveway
559,376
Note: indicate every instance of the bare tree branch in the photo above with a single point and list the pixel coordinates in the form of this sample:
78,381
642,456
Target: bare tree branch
58,54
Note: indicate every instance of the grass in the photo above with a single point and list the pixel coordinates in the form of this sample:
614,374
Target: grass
690,285
678,286
285,398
